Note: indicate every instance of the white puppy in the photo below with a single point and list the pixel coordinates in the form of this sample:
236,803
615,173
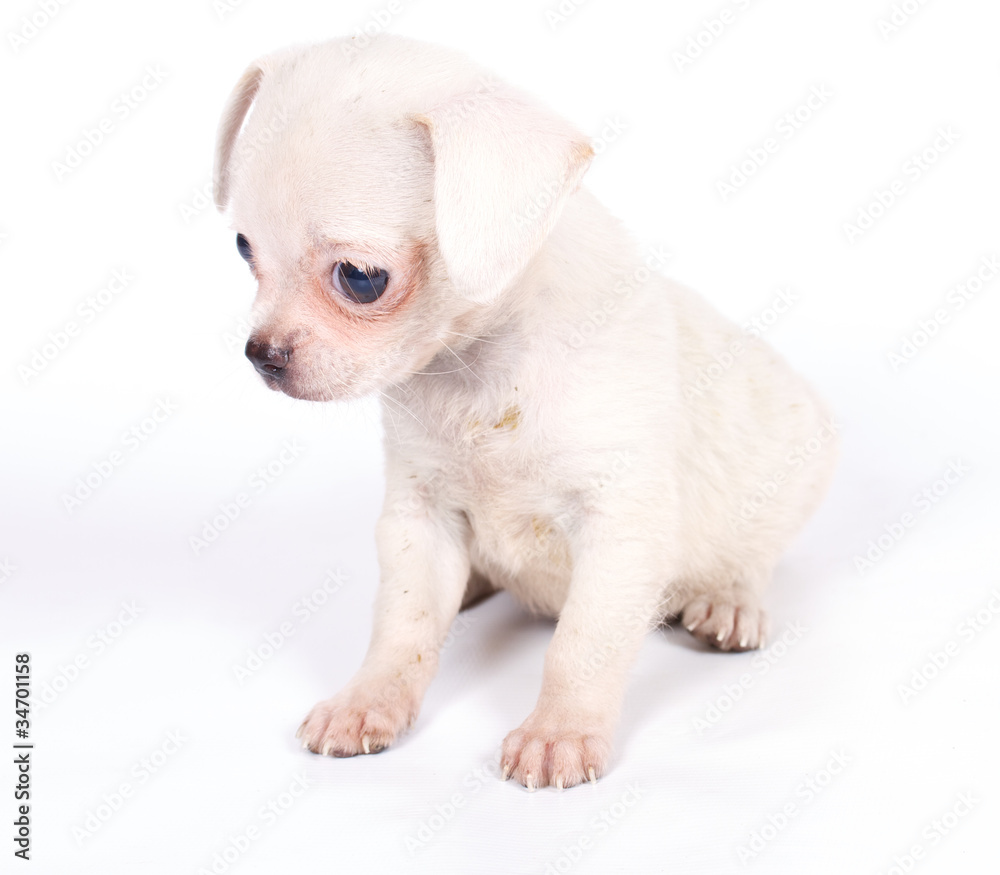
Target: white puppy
560,422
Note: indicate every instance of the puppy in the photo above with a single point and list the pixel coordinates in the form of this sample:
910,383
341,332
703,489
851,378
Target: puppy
560,421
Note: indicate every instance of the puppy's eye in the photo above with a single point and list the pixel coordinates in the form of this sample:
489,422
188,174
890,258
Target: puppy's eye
243,245
362,286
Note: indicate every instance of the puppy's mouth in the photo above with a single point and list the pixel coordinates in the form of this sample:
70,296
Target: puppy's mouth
273,382
287,383
281,374
273,363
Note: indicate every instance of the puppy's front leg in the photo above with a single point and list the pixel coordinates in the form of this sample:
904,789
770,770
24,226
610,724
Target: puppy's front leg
424,560
615,597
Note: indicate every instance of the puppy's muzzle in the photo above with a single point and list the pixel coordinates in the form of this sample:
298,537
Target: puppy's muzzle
270,361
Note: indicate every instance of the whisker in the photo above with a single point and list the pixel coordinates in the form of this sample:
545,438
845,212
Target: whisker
465,363
403,407
480,337
392,419
434,373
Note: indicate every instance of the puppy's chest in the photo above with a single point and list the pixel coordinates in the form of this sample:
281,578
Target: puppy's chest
497,466
509,490
492,457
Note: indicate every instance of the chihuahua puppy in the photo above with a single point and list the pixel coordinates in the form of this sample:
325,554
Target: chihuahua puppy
561,422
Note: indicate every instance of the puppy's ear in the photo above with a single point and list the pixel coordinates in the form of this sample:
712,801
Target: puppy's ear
503,168
236,109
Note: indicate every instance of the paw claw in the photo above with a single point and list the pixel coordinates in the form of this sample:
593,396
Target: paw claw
731,620
545,752
357,721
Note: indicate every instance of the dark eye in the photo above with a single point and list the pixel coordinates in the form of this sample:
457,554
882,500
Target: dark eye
362,286
243,245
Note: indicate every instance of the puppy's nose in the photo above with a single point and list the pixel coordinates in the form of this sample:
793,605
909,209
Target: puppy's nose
269,360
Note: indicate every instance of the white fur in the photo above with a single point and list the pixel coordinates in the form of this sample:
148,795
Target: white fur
584,469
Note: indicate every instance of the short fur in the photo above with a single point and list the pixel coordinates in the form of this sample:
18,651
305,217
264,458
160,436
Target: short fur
549,426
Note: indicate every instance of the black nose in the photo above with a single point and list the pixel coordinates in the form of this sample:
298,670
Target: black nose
269,360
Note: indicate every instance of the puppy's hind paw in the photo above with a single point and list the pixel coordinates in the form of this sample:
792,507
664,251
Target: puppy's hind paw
726,623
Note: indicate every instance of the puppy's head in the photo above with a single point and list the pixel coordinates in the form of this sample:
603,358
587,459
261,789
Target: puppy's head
384,197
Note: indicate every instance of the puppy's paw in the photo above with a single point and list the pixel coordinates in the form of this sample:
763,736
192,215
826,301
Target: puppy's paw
356,722
537,756
730,622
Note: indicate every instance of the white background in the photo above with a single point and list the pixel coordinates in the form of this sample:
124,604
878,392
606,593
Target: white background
689,785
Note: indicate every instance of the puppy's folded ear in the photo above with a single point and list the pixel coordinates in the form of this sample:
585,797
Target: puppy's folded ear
503,168
237,106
